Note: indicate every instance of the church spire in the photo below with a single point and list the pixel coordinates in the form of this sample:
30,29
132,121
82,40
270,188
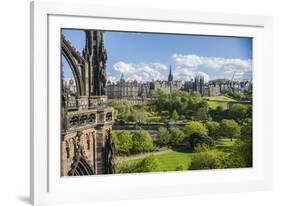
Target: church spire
170,77
122,77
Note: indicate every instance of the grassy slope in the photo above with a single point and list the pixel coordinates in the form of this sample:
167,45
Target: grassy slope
216,101
220,98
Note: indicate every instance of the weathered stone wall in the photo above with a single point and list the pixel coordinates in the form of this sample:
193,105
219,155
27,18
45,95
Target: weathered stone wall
91,142
86,142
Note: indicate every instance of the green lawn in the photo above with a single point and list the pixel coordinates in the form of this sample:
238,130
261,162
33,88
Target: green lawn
171,160
220,98
216,101
215,104
225,145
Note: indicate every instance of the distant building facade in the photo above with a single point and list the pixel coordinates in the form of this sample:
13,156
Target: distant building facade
197,85
132,91
138,92
169,86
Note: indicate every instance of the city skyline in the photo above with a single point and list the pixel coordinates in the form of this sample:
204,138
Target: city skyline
147,56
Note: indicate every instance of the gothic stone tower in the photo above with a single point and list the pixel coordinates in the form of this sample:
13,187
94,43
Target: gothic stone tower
86,144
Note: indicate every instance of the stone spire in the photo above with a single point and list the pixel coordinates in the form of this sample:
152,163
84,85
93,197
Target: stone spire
122,77
170,77
96,56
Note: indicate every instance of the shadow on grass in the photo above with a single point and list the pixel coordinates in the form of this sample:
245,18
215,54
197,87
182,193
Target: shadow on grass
182,149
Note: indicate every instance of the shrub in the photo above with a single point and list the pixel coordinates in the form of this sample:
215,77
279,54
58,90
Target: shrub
142,142
180,167
197,139
148,164
174,115
163,137
195,127
136,116
214,159
203,160
126,167
176,136
123,142
213,129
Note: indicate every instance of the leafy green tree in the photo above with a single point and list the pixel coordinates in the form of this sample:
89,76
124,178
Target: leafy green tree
238,112
148,164
195,127
217,114
163,136
122,109
136,116
213,159
202,114
142,142
176,136
244,146
123,142
199,139
213,129
175,115
230,129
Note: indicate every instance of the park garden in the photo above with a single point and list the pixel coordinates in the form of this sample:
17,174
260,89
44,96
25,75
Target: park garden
194,133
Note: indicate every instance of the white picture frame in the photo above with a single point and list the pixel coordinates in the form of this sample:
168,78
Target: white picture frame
47,18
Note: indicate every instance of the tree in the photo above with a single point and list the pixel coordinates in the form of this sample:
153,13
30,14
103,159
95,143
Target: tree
148,164
175,115
213,159
122,109
218,113
176,136
244,147
142,142
202,114
213,129
123,142
230,129
195,127
163,136
136,116
237,112
197,139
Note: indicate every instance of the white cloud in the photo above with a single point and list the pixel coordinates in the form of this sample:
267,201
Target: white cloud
112,78
188,65
185,74
190,61
140,72
186,68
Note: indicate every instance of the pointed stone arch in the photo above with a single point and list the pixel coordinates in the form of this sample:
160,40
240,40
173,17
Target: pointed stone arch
80,167
76,63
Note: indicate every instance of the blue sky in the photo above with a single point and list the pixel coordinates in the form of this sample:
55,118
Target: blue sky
147,56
